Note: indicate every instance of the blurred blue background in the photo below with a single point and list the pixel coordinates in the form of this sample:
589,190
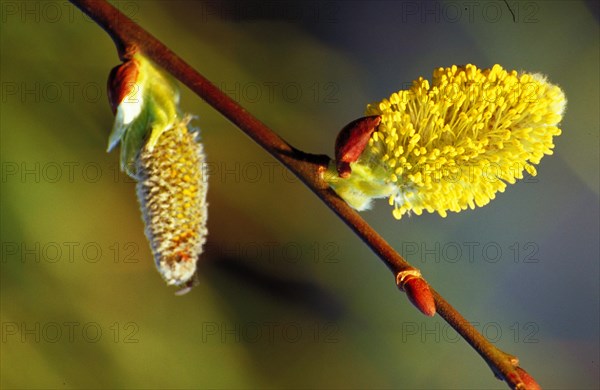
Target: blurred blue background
288,296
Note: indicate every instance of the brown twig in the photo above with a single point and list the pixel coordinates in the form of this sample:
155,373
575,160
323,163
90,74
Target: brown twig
129,37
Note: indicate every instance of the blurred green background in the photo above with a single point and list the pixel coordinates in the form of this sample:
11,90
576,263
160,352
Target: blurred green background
288,296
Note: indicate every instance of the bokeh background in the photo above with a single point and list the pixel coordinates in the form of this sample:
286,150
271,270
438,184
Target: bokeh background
288,296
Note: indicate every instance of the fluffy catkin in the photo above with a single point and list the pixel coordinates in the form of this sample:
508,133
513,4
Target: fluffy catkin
172,195
451,144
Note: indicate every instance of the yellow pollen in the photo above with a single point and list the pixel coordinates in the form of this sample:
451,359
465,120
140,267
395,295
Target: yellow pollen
454,143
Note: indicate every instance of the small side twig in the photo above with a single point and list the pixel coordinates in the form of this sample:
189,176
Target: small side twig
129,37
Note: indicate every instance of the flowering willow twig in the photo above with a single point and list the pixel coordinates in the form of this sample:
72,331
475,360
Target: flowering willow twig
131,38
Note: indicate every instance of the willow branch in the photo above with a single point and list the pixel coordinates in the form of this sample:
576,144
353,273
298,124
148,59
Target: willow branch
129,37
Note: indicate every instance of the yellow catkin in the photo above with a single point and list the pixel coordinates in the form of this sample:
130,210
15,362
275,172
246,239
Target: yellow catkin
172,195
454,143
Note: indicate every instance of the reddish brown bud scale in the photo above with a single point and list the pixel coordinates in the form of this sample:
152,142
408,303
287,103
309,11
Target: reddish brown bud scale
121,82
530,383
352,140
417,290
511,377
